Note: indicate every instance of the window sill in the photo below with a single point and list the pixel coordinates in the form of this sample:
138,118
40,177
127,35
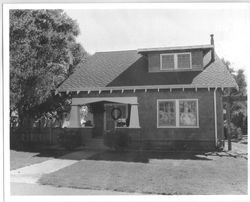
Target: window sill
179,70
179,127
128,127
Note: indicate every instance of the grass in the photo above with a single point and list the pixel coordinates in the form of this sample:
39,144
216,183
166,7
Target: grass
154,173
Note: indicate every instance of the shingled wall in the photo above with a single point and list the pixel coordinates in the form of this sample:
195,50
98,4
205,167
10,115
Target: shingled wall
151,137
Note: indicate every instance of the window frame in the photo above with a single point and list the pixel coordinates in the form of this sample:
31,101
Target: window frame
175,61
177,112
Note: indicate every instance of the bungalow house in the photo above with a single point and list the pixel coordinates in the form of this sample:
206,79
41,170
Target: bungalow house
168,98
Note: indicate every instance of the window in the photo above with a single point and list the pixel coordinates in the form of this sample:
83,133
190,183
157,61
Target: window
167,61
86,116
181,113
184,60
174,61
188,113
167,113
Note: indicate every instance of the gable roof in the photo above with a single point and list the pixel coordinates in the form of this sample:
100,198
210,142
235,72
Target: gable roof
101,71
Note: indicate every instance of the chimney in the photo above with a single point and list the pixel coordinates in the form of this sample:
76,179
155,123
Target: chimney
212,43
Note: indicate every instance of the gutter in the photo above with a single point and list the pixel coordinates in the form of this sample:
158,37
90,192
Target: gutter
215,118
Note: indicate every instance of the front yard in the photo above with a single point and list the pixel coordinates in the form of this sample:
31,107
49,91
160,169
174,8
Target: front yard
156,173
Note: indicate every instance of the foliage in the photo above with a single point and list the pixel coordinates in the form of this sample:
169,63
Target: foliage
69,139
240,79
238,110
117,139
43,53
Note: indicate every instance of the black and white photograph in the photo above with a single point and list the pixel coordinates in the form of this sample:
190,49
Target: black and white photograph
121,99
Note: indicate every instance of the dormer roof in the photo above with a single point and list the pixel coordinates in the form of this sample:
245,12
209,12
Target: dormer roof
176,48
128,69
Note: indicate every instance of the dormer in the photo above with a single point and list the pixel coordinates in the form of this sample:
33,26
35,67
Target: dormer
179,58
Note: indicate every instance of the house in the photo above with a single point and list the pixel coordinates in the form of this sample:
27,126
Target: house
168,98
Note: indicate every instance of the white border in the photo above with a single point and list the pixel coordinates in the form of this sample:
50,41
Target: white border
144,198
176,68
177,118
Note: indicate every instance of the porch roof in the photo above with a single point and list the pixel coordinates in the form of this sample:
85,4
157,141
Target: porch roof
123,100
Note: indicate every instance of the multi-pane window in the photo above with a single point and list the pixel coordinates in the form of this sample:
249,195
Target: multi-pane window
188,113
167,113
171,61
177,113
184,61
167,61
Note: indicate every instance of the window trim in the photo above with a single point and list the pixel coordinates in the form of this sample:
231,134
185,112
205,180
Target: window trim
177,110
175,61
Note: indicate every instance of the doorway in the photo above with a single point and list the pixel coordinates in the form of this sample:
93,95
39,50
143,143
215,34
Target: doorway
115,116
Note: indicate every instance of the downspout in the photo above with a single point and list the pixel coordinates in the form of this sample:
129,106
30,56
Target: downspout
215,118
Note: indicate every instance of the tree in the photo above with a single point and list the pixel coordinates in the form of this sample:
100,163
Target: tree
238,112
239,77
43,53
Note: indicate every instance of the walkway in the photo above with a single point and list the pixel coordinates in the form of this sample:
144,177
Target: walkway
31,174
37,189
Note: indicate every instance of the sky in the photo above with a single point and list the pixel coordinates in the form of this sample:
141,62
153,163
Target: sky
125,29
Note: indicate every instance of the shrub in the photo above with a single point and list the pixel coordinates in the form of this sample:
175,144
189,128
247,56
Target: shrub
69,139
117,140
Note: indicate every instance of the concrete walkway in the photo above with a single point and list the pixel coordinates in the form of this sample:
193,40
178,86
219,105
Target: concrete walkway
37,189
32,173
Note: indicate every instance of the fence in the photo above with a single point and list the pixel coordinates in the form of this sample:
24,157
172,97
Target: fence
36,135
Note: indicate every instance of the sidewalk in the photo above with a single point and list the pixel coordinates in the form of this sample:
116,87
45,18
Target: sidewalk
32,173
36,189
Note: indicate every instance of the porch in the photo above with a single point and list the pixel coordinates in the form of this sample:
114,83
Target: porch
99,115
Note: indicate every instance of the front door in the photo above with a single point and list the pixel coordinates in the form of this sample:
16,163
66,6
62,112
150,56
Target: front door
109,122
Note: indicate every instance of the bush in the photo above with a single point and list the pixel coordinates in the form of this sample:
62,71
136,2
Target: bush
69,139
117,140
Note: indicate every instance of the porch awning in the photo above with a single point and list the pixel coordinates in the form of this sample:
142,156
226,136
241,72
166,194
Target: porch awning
123,100
77,102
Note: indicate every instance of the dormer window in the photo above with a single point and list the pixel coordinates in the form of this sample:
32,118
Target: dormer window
175,61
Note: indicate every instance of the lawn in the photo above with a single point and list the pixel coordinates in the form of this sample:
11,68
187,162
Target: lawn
20,159
155,173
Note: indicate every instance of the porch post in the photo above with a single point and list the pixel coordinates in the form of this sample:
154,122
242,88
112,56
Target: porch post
134,117
74,121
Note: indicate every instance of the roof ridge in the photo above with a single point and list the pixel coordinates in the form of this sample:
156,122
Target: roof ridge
115,51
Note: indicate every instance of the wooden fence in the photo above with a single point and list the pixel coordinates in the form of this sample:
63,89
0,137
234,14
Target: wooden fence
47,136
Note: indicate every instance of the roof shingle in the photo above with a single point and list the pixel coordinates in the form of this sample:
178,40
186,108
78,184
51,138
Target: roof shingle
101,70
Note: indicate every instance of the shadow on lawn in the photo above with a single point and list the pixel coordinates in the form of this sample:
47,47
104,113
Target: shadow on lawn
132,156
146,156
109,155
